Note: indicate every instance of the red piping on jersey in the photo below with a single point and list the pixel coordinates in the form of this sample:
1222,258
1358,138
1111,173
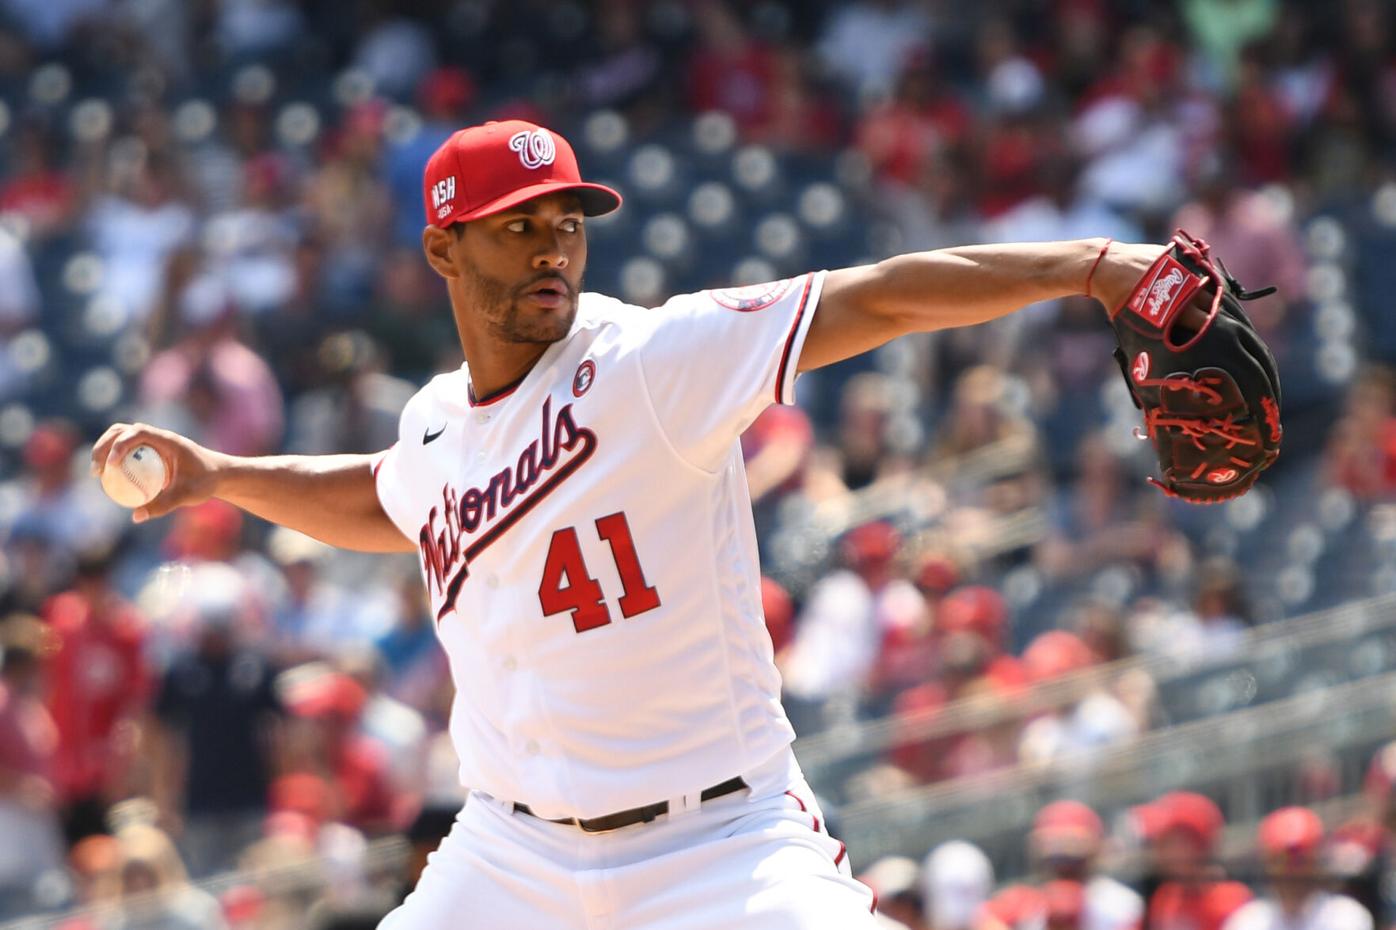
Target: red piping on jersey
378,465
843,849
494,397
806,810
790,339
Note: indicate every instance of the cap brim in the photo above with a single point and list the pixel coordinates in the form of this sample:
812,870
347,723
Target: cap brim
597,199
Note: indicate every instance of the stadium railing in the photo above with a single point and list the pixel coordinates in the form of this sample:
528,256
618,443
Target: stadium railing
1354,642
1251,761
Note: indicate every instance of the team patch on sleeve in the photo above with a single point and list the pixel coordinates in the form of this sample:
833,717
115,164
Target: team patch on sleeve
753,296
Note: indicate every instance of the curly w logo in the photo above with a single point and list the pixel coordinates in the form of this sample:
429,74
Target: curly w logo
535,147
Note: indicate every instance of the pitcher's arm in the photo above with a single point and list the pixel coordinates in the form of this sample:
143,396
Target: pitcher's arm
329,497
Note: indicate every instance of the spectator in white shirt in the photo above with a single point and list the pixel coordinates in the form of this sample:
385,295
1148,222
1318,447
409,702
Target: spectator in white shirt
956,880
866,44
1290,841
1065,841
847,613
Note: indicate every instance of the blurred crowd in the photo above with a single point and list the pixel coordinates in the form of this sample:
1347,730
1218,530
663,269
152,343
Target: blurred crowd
1185,868
209,220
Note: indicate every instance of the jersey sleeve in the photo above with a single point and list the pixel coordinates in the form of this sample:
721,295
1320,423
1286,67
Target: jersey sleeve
391,484
714,360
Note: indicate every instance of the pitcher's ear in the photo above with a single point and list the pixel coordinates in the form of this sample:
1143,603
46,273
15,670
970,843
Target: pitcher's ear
436,244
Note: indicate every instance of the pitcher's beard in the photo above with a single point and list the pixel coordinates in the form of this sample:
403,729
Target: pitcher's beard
534,325
512,319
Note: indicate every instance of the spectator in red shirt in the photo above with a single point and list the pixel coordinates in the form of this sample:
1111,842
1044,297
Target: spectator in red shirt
1260,125
35,188
729,70
971,631
30,843
901,137
1361,454
974,620
1009,158
1016,907
801,119
909,650
98,689
1182,829
329,705
1065,841
1064,906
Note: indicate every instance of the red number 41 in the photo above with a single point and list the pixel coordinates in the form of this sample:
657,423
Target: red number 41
581,593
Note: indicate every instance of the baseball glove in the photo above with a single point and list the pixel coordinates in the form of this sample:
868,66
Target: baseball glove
1210,395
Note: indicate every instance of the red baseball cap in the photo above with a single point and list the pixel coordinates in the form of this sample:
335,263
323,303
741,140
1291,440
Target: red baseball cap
331,694
975,609
1056,653
482,170
1188,811
1069,819
1295,832
871,543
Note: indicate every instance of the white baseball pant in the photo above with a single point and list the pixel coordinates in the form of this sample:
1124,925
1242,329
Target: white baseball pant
752,860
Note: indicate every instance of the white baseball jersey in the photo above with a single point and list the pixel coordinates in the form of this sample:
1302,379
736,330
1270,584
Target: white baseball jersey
1322,911
586,538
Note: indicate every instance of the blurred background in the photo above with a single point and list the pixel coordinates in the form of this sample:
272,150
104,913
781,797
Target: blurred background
1032,691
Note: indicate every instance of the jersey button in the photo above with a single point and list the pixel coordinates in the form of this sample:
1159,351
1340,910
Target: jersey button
482,418
510,663
533,748
492,581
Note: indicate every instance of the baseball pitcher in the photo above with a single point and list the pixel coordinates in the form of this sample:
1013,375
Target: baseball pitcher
576,497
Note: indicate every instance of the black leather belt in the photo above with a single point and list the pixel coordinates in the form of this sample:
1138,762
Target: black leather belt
636,814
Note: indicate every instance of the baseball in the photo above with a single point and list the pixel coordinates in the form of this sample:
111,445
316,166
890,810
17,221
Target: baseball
136,481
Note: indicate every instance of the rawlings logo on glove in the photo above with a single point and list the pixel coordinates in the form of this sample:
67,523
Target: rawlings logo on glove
1213,408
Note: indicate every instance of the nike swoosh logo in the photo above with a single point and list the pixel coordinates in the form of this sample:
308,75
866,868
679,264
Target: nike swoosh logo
429,436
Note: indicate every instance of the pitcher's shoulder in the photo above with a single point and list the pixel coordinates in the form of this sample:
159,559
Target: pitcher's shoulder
595,310
606,324
443,396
